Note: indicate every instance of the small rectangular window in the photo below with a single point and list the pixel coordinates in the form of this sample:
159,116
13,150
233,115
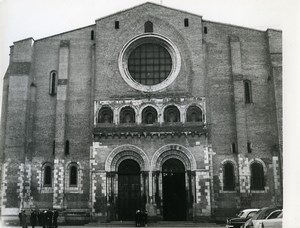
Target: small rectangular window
248,91
67,147
233,148
186,22
92,35
249,147
53,147
205,30
117,25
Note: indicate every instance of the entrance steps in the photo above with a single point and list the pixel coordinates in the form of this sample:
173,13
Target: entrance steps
157,224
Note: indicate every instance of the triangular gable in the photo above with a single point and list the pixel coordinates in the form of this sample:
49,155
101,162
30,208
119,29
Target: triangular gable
145,5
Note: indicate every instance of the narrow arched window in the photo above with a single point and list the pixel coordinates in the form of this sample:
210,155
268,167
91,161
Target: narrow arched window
73,175
248,91
47,176
53,83
257,176
171,114
194,114
148,26
127,115
105,115
228,177
149,115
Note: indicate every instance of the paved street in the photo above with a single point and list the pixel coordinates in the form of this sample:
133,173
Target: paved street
202,225
217,226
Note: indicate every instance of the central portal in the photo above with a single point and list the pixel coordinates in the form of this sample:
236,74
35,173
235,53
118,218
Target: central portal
129,189
174,192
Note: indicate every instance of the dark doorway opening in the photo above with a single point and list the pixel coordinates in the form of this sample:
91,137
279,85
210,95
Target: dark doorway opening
174,191
129,189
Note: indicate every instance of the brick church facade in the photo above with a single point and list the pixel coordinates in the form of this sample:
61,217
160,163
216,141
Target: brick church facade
150,108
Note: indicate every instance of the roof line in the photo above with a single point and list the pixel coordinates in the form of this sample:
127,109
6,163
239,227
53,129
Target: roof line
239,26
277,30
65,32
125,10
28,38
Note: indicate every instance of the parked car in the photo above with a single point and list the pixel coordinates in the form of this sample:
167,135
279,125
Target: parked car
260,215
241,218
272,222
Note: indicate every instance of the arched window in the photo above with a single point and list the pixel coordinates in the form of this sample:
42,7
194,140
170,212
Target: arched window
148,26
52,83
171,114
73,175
248,91
194,114
105,115
257,176
127,115
149,115
228,177
47,175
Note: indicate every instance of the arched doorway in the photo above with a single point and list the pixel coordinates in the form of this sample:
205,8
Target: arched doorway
129,189
174,190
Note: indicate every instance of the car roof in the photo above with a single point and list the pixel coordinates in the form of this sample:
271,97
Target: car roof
265,212
247,210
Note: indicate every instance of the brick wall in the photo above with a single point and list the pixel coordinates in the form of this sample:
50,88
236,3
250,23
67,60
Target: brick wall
208,71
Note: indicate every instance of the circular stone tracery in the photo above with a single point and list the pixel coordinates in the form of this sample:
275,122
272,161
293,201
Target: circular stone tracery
149,62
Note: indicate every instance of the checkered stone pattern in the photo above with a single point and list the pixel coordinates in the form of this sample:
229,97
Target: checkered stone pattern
221,181
4,185
203,193
28,198
244,171
276,173
38,170
58,191
99,193
93,168
20,184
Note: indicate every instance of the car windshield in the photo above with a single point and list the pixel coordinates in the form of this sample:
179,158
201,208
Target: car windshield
257,214
241,214
251,214
274,214
263,213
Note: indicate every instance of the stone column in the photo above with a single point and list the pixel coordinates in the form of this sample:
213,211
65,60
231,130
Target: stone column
189,205
157,195
193,177
151,207
111,204
60,125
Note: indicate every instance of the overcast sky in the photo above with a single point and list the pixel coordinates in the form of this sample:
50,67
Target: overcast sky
41,18
21,19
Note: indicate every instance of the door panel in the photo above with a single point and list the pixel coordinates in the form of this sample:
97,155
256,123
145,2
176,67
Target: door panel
129,192
174,191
